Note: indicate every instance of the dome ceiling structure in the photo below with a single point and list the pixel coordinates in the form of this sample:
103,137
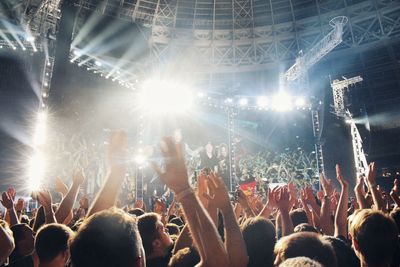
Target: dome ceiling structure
243,35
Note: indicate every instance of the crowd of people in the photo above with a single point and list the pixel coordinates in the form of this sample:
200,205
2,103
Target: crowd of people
203,226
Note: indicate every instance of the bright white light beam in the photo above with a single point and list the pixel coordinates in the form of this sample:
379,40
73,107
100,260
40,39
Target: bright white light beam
162,96
282,101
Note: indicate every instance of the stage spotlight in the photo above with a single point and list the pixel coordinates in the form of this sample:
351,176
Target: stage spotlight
98,63
30,39
243,102
300,102
164,96
262,102
282,102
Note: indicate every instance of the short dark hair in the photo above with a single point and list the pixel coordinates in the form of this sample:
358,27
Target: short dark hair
376,235
147,225
345,255
51,240
136,211
298,216
173,229
305,244
305,227
186,257
107,238
257,231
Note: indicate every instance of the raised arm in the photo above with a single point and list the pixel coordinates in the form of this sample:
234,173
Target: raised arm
373,187
341,212
242,199
8,203
6,243
394,193
283,202
359,192
234,241
204,233
268,207
325,218
68,201
44,199
117,155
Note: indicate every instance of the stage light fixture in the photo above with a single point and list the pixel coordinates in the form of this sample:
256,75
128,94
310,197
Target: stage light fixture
262,102
165,96
243,102
30,39
282,101
98,63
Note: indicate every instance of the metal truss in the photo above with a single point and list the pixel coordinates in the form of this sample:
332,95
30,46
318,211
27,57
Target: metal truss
232,50
339,88
360,160
318,51
317,139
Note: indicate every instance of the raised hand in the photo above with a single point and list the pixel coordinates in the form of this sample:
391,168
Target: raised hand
84,202
218,194
326,185
159,206
60,187
282,199
20,205
359,187
7,200
11,193
371,177
44,199
118,148
339,177
396,186
175,174
79,177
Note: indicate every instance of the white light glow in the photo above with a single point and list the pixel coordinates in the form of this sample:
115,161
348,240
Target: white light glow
98,63
77,53
282,102
262,102
30,39
39,136
243,102
162,96
140,159
36,171
300,102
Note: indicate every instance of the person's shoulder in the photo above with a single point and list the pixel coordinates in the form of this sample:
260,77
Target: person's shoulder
26,261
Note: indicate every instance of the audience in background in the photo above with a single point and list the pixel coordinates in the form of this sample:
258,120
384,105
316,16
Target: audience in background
289,226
